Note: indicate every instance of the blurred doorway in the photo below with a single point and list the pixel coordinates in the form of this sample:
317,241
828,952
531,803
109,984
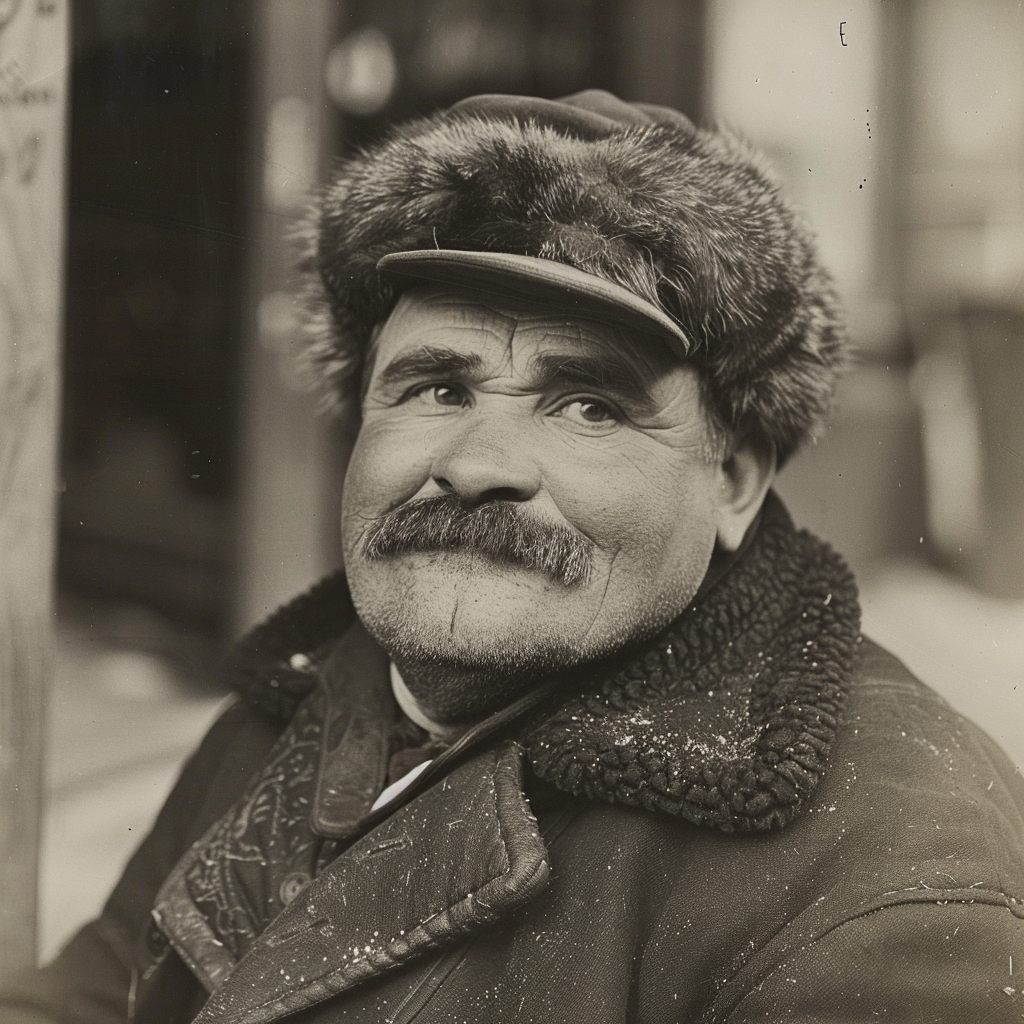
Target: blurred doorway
157,252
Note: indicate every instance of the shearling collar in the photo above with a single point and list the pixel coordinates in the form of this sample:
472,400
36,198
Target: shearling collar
726,719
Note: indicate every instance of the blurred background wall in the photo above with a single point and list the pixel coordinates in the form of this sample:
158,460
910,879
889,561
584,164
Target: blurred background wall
199,489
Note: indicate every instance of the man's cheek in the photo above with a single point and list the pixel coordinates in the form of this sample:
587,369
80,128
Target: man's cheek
388,465
619,510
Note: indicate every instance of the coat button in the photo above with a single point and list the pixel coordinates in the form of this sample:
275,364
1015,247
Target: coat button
156,941
292,886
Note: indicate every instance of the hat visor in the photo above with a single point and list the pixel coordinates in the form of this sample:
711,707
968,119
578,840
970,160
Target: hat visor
537,280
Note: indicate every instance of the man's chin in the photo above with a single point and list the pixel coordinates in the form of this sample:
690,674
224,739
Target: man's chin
474,616
509,652
468,571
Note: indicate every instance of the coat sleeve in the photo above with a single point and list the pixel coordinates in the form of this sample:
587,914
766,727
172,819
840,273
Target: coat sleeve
88,982
945,963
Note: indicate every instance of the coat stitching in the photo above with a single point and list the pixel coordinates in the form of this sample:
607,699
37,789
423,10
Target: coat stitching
963,897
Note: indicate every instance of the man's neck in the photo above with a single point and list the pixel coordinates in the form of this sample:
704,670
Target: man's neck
446,733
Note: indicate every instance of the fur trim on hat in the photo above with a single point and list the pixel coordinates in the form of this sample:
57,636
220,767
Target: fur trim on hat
688,219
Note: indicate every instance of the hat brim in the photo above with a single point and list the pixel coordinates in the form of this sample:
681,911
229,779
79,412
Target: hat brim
537,280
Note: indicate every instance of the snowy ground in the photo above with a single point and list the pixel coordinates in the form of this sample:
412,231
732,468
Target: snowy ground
121,722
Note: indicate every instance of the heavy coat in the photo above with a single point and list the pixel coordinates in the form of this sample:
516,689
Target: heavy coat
886,881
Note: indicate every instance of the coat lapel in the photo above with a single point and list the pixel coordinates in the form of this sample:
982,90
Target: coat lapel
354,744
458,858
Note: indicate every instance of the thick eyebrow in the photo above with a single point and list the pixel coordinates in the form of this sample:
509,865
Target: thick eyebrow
429,361
611,373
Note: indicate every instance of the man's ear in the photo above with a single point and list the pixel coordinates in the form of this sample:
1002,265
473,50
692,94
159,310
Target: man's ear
744,476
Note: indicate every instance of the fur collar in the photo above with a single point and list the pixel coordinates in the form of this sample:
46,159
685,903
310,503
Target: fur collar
725,720
728,717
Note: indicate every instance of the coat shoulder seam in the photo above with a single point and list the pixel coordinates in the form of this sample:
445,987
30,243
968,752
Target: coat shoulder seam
931,897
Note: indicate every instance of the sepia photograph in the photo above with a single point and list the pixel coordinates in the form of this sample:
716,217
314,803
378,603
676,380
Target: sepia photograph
511,510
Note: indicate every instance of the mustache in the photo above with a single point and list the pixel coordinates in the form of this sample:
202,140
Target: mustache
502,530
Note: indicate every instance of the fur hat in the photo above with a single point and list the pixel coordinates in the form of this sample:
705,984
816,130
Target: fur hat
687,219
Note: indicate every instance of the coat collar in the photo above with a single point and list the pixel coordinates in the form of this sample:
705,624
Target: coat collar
353,762
728,717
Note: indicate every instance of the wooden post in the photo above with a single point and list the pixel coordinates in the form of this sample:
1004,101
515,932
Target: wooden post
33,105
290,459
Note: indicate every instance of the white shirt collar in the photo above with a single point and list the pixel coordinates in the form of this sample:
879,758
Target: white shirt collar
407,702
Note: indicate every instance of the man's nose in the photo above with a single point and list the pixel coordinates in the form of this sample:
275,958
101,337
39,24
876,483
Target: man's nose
484,460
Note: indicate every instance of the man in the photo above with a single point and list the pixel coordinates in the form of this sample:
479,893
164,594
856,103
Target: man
587,731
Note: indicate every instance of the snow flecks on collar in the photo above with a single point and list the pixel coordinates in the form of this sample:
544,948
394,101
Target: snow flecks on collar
728,717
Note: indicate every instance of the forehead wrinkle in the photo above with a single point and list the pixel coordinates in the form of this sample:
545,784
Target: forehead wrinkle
447,312
635,350
580,351
583,354
557,339
442,335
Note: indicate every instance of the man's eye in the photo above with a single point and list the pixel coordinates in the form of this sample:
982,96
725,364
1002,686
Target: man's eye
589,412
439,394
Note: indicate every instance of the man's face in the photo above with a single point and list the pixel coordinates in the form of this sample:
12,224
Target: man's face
579,429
